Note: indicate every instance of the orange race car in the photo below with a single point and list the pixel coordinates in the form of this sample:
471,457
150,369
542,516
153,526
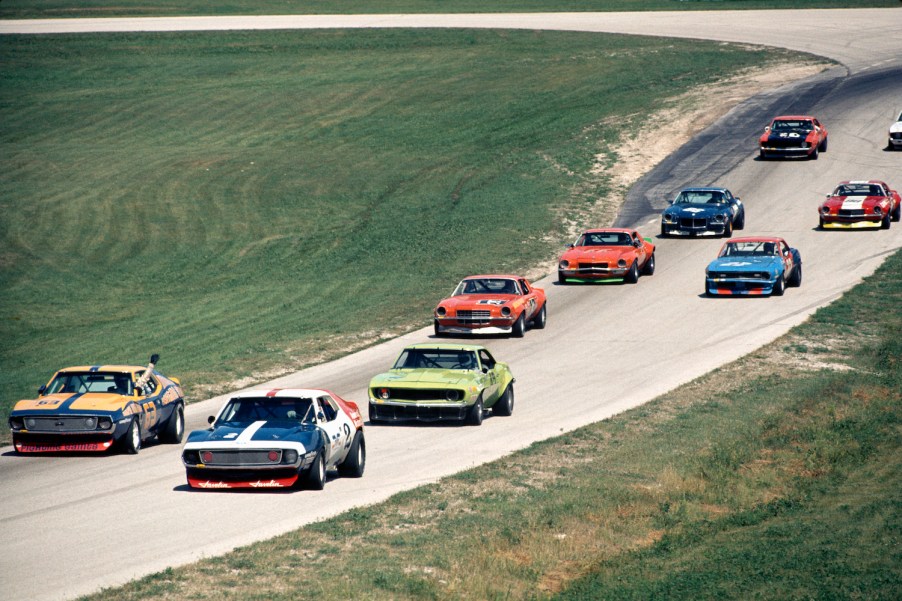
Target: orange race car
607,254
491,304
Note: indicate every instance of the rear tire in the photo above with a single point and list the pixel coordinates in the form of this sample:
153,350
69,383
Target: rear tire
740,223
355,462
796,280
813,155
175,427
505,405
823,146
897,214
884,225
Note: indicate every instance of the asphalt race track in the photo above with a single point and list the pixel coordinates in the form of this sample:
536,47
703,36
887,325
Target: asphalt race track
75,524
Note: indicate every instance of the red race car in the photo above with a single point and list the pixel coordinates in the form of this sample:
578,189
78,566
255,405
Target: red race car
491,304
793,136
860,204
607,254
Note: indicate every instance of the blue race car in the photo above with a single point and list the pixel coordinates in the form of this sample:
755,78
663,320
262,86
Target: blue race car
754,266
703,212
277,439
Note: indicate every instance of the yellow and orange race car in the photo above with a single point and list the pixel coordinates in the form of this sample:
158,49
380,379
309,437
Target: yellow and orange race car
90,408
491,304
608,254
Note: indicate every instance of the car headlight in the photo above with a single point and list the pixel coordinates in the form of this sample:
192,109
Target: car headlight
452,395
441,311
621,263
16,423
383,393
290,456
877,210
30,423
564,264
669,218
90,423
825,210
506,311
718,218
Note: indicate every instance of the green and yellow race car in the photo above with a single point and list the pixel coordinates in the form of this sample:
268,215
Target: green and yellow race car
442,382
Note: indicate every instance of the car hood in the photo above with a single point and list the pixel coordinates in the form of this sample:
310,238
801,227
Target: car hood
475,300
416,377
261,431
69,402
854,202
782,135
895,127
745,264
598,253
697,211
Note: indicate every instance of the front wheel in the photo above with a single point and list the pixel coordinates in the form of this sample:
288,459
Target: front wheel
474,416
175,427
884,225
740,223
813,155
779,287
728,229
505,405
541,319
355,462
633,275
823,146
315,479
519,327
436,329
897,214
560,278
649,268
132,441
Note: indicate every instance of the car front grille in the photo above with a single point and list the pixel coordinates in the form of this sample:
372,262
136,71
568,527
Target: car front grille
851,213
67,423
245,457
421,394
743,275
896,135
693,223
475,316
592,266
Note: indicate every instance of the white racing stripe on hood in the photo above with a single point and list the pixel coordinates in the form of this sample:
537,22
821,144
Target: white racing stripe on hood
852,204
249,432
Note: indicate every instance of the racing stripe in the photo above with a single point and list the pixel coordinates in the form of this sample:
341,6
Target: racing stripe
249,432
95,368
273,392
852,205
65,405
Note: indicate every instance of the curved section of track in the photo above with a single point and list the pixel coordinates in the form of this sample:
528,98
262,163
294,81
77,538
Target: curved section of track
76,524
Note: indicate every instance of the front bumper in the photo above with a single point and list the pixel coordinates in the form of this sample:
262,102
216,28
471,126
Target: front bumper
677,229
389,411
68,441
789,151
594,273
841,223
739,286
492,325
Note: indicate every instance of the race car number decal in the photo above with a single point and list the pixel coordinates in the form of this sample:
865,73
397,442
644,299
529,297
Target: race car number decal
735,264
790,134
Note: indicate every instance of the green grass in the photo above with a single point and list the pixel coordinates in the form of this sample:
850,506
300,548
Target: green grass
770,478
245,203
29,9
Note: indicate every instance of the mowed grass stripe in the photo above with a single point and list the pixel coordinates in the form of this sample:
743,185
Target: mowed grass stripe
244,202
775,477
14,9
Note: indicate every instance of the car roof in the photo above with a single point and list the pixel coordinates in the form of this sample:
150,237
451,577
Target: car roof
793,117
755,239
609,229
704,189
445,346
495,275
281,393
104,368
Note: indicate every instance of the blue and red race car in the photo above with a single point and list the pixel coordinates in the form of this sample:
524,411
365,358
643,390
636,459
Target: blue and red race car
754,267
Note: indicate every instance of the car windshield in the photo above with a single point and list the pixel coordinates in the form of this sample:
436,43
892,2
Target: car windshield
436,359
255,409
858,190
486,286
81,382
792,124
750,249
604,239
700,197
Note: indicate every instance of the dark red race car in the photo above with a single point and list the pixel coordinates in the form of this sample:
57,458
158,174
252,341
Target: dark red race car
793,136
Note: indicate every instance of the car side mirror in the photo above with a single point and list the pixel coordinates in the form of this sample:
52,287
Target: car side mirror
637,243
570,245
210,420
321,416
485,369
42,389
737,198
767,128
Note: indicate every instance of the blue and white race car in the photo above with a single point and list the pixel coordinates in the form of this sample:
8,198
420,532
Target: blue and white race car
703,212
754,266
276,439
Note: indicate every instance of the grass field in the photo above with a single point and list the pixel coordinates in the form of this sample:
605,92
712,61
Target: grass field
244,203
30,9
775,477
